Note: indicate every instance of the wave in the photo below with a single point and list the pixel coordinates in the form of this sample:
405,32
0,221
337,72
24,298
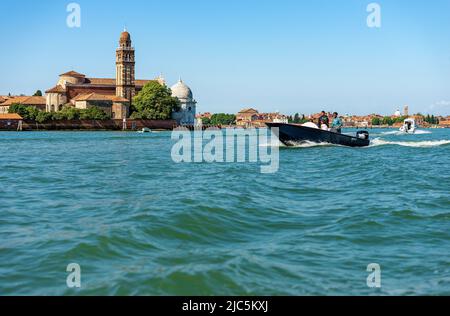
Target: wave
418,132
421,144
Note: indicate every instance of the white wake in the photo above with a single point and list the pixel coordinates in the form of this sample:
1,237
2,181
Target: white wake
418,132
421,144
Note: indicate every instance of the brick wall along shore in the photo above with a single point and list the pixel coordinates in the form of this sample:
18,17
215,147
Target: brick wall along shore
94,125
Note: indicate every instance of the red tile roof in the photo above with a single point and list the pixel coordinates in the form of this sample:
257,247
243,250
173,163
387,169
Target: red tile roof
112,82
248,111
56,89
10,116
25,100
73,74
99,97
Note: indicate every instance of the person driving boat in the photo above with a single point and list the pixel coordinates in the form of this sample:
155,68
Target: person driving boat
336,126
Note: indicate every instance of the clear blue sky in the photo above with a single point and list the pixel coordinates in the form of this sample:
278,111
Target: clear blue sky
291,56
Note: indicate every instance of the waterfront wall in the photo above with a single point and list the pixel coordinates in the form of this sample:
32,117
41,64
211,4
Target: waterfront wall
89,125
9,125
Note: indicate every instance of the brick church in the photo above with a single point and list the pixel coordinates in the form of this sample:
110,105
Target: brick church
112,95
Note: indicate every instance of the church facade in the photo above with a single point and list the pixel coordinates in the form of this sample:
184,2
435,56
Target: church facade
114,95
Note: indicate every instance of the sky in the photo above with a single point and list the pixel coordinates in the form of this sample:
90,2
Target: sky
288,56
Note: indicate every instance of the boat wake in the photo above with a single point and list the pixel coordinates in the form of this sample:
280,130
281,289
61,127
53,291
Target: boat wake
422,144
374,143
418,132
304,144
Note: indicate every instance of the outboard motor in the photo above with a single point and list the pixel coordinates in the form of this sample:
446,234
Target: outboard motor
362,134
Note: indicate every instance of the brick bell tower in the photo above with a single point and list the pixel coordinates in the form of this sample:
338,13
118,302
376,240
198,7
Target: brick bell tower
125,65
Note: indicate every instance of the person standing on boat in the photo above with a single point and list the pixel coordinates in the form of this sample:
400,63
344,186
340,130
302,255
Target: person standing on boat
324,120
336,126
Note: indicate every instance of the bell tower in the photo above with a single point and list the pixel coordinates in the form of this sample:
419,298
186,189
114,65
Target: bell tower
125,68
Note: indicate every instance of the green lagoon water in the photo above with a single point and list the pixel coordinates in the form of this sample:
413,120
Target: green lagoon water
139,224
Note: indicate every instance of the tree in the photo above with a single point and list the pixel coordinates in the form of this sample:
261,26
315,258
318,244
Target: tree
43,117
296,118
18,108
154,102
28,113
70,113
206,121
222,119
376,121
38,93
387,120
93,113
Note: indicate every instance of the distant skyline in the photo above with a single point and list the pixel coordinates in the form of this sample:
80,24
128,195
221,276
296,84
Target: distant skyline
291,56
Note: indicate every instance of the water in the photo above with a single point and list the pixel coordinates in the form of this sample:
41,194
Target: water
138,224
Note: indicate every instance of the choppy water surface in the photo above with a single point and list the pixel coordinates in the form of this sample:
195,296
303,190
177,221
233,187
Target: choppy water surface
139,224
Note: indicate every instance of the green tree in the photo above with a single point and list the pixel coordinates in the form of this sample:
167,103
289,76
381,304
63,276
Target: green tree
376,121
18,108
93,113
68,113
154,102
222,119
43,117
28,113
296,118
387,120
38,93
290,119
206,121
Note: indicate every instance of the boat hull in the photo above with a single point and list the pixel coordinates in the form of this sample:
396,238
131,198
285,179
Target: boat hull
292,134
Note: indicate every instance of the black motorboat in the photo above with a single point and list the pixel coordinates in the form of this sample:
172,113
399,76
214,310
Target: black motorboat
294,134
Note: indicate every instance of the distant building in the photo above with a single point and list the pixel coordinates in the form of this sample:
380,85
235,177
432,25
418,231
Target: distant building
36,102
75,89
445,122
114,106
186,116
406,111
10,121
252,118
204,115
245,117
397,113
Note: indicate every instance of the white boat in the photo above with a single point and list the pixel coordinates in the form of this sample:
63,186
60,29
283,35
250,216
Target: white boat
145,130
409,126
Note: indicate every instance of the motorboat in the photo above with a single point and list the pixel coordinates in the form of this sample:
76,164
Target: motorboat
409,126
145,130
294,134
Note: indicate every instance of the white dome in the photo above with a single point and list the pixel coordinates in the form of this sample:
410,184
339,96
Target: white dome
181,91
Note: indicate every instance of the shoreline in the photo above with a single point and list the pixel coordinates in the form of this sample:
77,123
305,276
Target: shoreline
29,128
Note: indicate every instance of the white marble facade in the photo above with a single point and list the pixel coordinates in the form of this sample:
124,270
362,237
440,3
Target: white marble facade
186,116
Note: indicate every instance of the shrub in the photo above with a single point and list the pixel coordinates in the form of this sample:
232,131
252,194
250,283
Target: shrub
93,113
43,117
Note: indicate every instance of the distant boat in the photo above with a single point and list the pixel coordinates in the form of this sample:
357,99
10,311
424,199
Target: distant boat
293,134
409,126
145,130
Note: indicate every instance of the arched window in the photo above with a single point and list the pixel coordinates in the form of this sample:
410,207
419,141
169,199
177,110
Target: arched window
52,108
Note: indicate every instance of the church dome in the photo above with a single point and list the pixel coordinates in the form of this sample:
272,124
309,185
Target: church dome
181,91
